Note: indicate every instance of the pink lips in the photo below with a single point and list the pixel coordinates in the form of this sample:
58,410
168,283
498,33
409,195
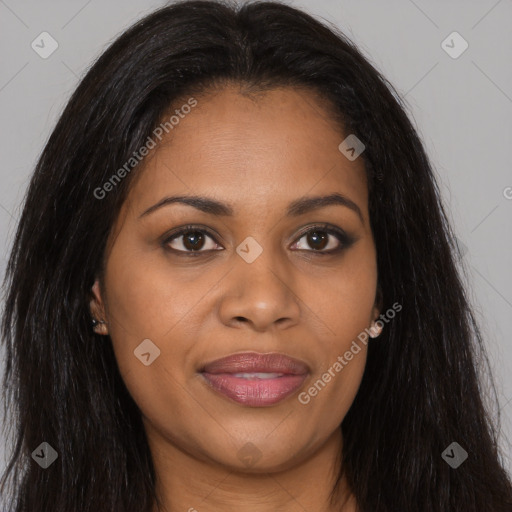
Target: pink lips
284,375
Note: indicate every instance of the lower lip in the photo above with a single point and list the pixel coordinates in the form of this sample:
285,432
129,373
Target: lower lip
257,392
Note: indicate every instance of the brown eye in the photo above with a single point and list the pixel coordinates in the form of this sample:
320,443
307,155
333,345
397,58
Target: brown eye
317,239
324,240
321,240
192,240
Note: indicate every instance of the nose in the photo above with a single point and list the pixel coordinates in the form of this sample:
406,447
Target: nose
260,294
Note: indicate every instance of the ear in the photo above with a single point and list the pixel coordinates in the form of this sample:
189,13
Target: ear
97,308
377,307
375,328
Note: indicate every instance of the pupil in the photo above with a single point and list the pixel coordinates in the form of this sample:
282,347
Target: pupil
193,240
315,237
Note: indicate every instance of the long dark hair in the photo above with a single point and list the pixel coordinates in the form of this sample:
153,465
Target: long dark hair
421,389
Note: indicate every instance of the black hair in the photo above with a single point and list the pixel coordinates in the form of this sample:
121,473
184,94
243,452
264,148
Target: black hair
421,388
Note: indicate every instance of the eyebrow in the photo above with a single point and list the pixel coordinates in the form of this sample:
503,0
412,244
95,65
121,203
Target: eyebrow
295,208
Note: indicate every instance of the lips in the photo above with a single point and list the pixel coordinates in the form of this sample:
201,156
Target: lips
255,380
252,362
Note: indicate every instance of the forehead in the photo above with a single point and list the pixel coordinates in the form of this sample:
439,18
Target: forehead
258,149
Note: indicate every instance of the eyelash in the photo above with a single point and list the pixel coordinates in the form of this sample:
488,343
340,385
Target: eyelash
345,240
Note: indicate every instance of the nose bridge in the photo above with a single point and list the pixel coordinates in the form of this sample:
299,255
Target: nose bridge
260,266
262,281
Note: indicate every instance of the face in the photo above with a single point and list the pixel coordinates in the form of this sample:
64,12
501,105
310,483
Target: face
263,270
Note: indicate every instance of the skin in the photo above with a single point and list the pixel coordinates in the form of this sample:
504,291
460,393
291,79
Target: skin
257,154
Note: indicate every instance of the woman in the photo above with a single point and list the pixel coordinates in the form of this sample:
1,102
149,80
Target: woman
233,283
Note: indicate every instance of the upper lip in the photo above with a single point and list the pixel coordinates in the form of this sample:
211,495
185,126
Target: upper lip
248,362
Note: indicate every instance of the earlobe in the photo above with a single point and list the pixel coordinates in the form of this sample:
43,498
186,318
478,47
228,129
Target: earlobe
376,328
97,309
377,325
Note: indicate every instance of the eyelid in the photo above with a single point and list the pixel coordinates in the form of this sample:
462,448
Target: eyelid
343,238
170,236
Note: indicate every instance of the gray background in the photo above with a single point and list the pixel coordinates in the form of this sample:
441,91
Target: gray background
461,107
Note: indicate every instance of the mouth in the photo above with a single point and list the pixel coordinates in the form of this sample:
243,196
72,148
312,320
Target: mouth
255,380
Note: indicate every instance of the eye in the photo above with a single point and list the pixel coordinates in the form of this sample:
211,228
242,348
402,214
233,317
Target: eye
193,239
324,239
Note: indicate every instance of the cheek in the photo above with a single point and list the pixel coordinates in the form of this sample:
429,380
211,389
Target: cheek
148,294
149,299
342,308
342,300
145,302
142,303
